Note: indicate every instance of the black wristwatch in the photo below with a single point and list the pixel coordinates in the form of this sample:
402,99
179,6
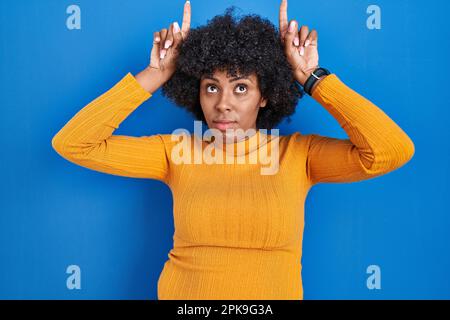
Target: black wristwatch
315,75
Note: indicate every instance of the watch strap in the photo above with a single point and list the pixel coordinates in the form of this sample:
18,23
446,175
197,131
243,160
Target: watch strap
315,76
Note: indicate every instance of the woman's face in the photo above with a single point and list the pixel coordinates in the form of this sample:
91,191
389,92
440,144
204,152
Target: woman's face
230,103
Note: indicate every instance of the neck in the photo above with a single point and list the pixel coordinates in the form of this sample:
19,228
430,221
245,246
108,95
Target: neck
235,138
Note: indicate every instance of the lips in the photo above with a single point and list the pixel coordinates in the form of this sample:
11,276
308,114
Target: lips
224,121
223,124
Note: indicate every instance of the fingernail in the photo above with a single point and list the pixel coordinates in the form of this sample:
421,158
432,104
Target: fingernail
292,26
296,42
302,50
307,42
176,27
162,55
167,44
157,39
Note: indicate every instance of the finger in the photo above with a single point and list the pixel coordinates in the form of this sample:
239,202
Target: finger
156,44
162,51
313,36
283,18
290,36
169,39
177,36
163,33
296,38
186,24
308,40
304,31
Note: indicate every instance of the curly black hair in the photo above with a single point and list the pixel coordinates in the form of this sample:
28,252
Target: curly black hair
249,45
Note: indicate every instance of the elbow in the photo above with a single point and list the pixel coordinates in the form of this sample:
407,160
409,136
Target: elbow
409,150
57,144
62,146
403,150
401,154
391,157
73,150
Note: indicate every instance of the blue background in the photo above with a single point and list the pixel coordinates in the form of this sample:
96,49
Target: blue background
119,230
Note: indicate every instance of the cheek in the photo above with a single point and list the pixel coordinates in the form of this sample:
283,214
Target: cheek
203,101
248,114
207,108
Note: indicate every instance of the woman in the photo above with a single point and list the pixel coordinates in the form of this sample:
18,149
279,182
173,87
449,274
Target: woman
238,233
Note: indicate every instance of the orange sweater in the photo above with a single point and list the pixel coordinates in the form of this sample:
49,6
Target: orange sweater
238,233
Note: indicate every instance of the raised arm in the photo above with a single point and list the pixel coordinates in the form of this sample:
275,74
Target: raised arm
88,140
376,144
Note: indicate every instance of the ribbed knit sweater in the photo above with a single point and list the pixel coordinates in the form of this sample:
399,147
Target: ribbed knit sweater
238,233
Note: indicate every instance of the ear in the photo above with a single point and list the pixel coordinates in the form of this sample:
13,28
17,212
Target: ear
263,102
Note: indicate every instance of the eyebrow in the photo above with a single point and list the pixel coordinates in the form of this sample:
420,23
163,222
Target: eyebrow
231,80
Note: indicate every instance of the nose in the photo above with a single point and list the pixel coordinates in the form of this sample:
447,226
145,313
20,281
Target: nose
224,104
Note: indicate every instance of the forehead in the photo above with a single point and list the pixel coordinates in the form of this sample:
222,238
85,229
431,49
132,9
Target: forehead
222,76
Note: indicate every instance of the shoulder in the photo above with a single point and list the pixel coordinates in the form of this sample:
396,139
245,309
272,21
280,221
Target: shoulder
171,139
297,142
295,138
182,138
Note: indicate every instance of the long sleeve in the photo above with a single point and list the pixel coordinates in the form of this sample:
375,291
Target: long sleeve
88,140
376,144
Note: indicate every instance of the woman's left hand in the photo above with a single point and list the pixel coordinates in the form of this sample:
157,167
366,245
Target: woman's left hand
300,47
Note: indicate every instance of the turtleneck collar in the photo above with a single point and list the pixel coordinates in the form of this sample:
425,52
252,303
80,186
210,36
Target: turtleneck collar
242,147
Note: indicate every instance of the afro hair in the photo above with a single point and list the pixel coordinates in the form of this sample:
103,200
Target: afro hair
240,47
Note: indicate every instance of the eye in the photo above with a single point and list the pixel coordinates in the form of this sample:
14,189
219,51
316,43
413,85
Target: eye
209,86
240,86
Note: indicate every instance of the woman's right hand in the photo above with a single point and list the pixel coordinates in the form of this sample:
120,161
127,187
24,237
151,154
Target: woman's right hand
166,42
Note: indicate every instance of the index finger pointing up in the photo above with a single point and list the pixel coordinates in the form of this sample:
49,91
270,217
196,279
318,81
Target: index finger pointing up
283,18
186,18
